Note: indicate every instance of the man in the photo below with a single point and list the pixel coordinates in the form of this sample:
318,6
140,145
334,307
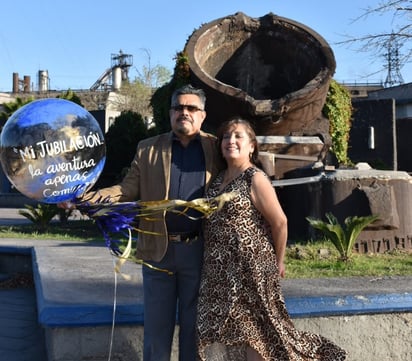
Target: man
175,165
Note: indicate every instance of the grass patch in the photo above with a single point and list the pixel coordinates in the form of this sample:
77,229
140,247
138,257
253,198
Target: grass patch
78,231
315,259
320,259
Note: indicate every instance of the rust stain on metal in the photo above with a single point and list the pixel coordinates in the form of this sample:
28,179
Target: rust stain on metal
272,70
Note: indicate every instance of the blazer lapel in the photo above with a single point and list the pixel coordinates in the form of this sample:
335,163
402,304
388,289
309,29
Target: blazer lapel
167,160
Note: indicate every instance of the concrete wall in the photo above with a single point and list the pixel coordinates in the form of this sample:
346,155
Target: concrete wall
383,337
85,320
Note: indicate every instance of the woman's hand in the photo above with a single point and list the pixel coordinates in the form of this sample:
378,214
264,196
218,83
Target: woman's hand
282,269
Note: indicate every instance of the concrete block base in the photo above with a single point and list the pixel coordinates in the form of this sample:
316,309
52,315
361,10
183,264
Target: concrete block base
366,337
89,313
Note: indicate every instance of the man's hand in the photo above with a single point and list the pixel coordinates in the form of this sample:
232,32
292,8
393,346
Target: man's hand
66,205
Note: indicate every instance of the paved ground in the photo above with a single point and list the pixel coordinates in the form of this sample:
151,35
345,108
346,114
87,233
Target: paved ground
11,216
21,337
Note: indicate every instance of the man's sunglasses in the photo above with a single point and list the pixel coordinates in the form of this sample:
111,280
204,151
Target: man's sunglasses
190,108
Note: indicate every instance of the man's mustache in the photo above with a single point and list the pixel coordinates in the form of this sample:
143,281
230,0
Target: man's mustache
183,118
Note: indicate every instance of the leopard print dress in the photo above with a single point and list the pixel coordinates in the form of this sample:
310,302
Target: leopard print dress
240,302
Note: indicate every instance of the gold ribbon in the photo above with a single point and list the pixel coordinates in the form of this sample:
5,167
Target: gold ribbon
206,206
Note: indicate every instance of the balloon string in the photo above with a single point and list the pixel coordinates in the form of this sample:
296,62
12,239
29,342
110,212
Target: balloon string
114,310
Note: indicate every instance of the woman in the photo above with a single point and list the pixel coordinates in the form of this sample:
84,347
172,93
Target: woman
241,312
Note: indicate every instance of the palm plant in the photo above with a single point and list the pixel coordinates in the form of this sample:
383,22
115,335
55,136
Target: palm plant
41,215
342,238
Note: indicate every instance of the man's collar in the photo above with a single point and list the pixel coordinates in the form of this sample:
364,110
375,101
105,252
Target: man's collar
175,137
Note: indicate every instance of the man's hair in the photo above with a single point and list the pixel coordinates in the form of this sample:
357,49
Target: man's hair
189,89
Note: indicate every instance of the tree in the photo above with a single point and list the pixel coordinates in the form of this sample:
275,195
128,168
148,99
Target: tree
338,109
162,96
121,142
72,96
10,108
153,77
138,93
379,44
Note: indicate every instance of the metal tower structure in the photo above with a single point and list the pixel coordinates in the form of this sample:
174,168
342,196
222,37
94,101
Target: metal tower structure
394,76
124,62
112,77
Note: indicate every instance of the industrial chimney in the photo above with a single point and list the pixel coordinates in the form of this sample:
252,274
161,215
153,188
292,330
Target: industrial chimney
21,85
43,81
15,82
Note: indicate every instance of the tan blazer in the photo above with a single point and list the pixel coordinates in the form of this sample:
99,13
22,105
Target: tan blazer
148,180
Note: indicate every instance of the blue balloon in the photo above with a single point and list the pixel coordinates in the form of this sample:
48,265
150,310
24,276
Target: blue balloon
52,150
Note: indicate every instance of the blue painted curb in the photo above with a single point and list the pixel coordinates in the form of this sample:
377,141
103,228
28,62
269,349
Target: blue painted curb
16,250
60,314
300,307
89,315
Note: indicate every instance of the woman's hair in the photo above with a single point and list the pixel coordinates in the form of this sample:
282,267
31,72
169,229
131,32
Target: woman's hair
226,125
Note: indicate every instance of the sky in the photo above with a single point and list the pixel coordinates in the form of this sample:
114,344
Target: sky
74,40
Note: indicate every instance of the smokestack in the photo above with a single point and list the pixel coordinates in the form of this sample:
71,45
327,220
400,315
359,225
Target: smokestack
15,82
43,80
117,78
26,84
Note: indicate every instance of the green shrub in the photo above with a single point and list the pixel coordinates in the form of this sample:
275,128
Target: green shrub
338,109
342,238
41,215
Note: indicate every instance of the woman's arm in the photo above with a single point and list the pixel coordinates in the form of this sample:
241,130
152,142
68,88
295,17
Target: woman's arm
266,201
